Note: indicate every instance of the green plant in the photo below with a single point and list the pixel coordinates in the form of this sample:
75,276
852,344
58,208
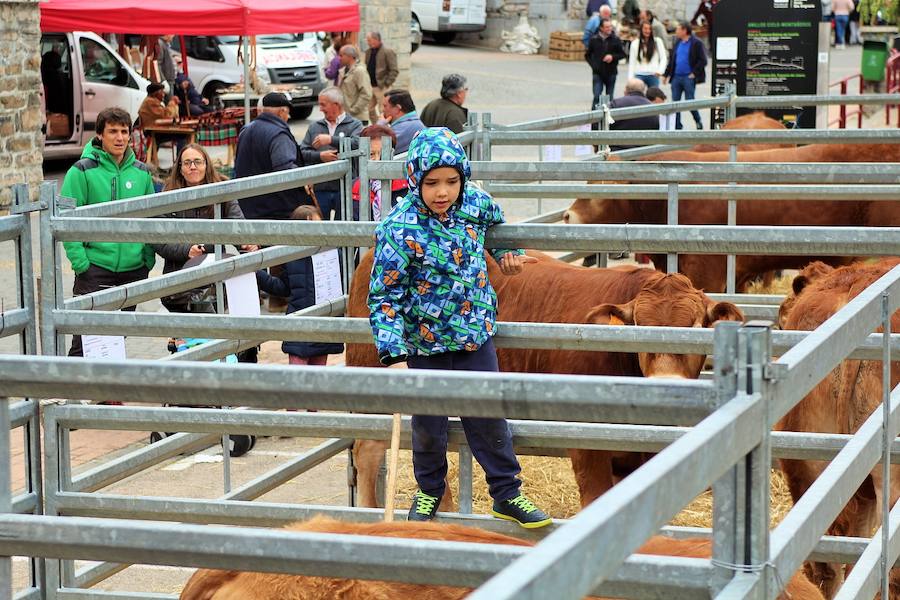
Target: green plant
890,10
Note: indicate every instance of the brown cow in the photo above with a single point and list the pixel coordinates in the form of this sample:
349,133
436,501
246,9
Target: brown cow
840,403
754,120
208,584
708,272
552,291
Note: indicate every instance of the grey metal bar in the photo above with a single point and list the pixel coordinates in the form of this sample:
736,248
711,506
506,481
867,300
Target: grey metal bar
11,227
783,101
284,473
873,566
672,221
577,556
214,193
78,594
20,412
31,593
713,239
465,479
48,272
91,576
744,192
529,396
717,136
886,440
397,559
14,322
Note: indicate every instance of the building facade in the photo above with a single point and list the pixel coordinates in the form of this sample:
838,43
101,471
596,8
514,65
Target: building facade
391,18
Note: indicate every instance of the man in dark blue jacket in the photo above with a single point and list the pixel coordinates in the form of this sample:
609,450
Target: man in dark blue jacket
687,68
267,145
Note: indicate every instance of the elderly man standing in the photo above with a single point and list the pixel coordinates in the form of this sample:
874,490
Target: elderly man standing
448,110
264,146
400,114
322,142
381,63
593,24
166,63
355,85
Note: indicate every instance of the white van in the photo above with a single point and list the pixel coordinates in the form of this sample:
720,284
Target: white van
442,19
82,75
287,62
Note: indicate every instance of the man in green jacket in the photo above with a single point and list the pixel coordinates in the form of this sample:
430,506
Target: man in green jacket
107,171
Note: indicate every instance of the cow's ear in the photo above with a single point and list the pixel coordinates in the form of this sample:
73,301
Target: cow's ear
722,311
811,272
612,314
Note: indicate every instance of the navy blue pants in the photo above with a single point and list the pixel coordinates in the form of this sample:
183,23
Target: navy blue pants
329,201
489,439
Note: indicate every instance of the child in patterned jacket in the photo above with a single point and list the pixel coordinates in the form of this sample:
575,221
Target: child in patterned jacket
432,305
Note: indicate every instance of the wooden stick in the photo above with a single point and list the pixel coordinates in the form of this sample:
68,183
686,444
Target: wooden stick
393,458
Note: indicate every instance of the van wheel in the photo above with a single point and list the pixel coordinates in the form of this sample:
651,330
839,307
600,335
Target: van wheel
240,445
301,112
443,37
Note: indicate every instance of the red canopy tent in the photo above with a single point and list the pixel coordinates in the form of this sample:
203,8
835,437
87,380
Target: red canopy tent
200,17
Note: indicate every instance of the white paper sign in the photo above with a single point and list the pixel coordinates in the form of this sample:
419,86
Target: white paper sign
584,150
107,347
243,295
552,154
726,48
327,273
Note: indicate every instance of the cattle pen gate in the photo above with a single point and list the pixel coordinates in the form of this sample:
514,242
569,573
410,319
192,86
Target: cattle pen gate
713,432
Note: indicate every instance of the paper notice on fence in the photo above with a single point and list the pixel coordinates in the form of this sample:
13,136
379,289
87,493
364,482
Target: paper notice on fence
552,154
584,150
327,273
242,294
107,347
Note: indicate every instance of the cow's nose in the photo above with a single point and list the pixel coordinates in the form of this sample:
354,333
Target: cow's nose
566,217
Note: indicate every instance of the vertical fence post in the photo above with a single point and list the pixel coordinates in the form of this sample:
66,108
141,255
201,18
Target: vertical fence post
732,221
48,272
672,219
220,309
465,479
387,201
731,108
886,442
52,483
6,581
346,208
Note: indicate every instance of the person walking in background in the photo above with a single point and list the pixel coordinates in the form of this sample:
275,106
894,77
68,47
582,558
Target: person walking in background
355,84
647,58
686,68
193,167
635,90
264,146
400,113
322,143
381,63
414,271
855,37
594,6
107,172
448,110
593,24
332,64
659,30
841,10
603,54
166,62
297,282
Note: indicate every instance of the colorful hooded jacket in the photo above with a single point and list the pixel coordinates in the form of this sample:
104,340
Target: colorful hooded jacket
429,291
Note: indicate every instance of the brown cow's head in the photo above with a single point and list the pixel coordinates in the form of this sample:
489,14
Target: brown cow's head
810,273
668,301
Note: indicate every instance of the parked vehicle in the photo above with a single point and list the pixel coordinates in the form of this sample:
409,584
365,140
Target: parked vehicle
82,75
415,35
442,19
285,62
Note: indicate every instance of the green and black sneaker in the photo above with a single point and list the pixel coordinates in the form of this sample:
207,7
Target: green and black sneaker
521,510
423,507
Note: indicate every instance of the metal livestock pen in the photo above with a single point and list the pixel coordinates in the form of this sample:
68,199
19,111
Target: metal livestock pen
712,432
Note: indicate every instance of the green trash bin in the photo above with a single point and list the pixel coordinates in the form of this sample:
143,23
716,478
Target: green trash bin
874,57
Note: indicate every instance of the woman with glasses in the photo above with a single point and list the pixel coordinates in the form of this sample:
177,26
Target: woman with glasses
193,167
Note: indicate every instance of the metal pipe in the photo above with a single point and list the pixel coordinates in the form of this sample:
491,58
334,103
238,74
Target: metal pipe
745,192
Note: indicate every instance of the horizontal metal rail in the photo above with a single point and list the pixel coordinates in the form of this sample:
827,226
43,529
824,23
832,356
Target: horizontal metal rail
699,239
800,100
744,192
864,581
551,336
669,172
123,296
721,136
11,227
305,553
525,396
526,434
215,193
14,322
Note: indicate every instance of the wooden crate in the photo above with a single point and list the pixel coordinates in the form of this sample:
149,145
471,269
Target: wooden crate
570,55
566,41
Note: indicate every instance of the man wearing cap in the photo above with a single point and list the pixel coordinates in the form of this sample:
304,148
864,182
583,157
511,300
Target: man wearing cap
154,107
448,110
264,146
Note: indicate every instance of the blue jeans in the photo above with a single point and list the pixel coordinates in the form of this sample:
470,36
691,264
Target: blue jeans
489,439
840,28
684,86
650,80
600,82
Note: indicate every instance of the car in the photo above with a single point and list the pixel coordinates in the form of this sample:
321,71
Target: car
415,34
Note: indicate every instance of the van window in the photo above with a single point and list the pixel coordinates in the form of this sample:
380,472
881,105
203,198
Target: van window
100,66
56,73
280,38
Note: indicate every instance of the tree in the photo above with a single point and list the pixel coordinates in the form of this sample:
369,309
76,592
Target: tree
868,10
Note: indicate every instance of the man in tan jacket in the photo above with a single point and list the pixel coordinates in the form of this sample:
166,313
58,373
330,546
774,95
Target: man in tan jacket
355,85
381,63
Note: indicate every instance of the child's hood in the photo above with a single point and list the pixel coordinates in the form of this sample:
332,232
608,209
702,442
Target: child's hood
432,148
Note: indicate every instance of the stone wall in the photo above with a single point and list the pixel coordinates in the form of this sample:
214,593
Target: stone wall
21,143
556,15
391,18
